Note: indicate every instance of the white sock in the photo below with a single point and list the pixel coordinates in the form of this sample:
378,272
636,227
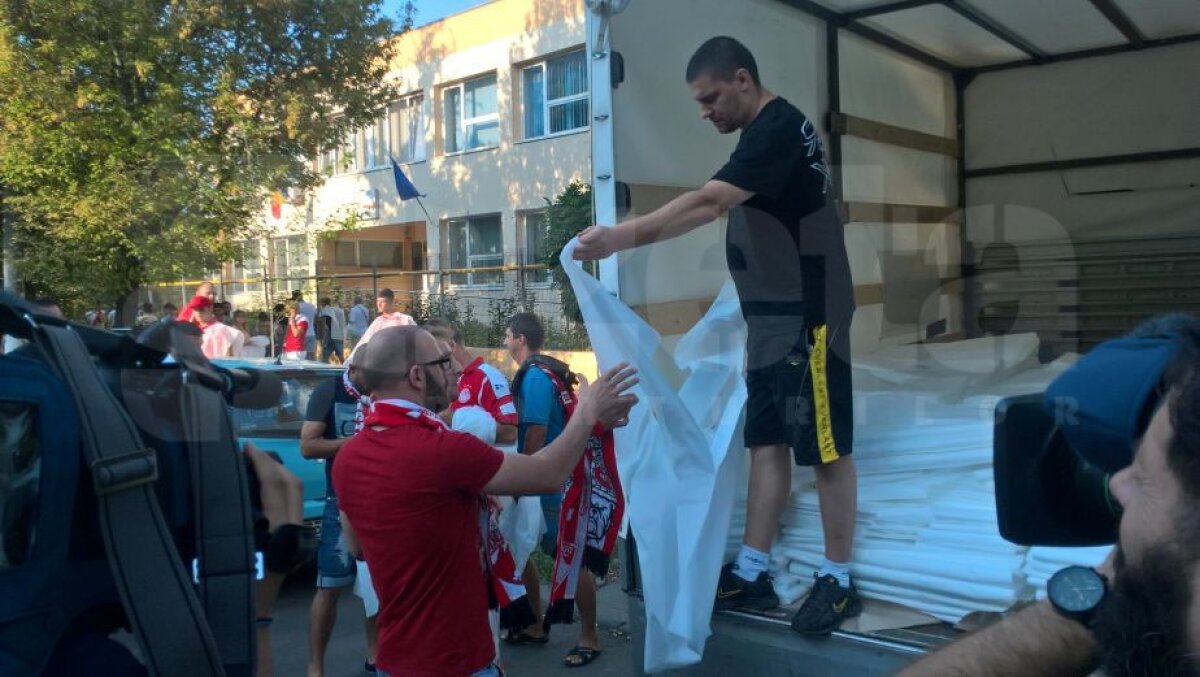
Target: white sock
750,563
839,570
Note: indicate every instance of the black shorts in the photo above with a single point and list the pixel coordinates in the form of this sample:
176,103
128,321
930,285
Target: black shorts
803,398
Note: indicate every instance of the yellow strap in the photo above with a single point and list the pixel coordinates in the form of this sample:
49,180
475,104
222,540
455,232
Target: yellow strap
817,362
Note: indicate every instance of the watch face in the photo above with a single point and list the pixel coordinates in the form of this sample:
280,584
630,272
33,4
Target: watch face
1076,589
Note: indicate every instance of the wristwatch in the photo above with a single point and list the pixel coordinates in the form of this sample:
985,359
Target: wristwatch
1076,592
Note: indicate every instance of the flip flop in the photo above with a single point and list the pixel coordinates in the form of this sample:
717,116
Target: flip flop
586,655
525,638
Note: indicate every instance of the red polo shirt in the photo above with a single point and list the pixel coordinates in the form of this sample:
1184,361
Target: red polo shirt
482,385
411,494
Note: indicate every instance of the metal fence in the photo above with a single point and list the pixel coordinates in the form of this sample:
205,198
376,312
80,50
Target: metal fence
479,299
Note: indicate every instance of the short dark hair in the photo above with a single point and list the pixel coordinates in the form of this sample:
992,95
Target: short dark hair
444,329
529,326
386,293
170,305
297,294
324,300
721,57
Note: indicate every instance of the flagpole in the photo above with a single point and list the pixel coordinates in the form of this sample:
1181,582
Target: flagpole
428,234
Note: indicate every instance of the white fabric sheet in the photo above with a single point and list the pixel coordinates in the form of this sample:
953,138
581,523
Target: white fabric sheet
673,458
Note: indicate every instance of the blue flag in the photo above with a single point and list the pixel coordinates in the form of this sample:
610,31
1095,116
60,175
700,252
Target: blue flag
404,187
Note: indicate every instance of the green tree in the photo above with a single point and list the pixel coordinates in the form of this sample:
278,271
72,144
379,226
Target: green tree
140,139
568,214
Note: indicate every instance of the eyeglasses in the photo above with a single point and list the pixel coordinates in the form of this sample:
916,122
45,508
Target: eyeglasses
443,362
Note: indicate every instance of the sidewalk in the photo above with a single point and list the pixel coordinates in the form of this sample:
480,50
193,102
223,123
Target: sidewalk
344,657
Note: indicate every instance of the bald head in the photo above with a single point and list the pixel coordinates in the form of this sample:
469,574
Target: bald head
391,354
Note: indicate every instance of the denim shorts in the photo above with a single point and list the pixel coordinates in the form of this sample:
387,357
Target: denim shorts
335,566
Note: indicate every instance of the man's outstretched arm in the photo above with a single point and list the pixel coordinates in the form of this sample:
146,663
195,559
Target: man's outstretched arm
686,212
1033,642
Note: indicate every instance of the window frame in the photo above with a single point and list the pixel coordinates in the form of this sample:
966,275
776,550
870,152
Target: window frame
464,123
370,138
547,103
470,280
396,111
532,276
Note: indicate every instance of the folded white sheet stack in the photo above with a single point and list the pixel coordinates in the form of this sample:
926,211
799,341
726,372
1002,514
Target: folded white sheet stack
927,536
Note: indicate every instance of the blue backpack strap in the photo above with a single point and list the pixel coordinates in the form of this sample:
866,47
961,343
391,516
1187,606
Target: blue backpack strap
155,590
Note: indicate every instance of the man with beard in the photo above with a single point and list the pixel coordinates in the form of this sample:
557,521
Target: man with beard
1149,620
409,490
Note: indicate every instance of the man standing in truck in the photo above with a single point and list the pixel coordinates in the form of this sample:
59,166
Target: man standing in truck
787,257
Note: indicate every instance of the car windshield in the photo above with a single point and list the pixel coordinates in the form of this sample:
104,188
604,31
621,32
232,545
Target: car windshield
284,419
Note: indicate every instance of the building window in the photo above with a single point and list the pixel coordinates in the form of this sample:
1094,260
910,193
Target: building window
345,253
381,254
475,242
537,230
555,96
470,117
408,129
417,249
328,162
348,162
375,144
289,262
250,268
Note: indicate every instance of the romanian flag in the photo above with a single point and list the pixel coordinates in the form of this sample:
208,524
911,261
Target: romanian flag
276,205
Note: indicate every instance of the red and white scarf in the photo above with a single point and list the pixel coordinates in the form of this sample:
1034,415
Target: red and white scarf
362,402
505,589
592,508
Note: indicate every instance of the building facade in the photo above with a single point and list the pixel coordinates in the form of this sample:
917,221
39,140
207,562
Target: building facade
493,122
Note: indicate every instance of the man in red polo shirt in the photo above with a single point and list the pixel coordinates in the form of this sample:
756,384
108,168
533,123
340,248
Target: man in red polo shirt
410,493
480,385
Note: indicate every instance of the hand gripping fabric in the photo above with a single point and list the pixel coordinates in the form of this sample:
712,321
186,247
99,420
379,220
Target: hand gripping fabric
673,458
155,590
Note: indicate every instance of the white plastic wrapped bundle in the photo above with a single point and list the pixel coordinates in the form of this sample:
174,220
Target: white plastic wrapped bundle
927,536
1042,562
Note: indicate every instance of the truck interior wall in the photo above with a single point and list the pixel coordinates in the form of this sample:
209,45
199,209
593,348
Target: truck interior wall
908,260
1134,102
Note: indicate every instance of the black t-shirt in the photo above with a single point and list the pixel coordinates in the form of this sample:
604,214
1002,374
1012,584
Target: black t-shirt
785,246
330,404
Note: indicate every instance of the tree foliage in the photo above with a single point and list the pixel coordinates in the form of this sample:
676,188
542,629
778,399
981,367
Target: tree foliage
140,139
568,214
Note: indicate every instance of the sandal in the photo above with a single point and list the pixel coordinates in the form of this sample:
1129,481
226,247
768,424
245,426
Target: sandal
586,654
523,637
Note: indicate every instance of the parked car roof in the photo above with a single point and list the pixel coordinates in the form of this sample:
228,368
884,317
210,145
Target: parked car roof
269,364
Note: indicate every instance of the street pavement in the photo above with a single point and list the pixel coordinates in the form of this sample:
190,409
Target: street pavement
344,657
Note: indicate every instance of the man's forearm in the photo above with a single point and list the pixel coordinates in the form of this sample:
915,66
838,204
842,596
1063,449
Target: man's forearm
506,434
320,447
1035,641
679,216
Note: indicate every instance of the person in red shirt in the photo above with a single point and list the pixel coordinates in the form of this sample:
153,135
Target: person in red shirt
205,295
297,330
409,491
480,384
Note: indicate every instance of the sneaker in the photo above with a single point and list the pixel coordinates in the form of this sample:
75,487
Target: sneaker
828,604
735,592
